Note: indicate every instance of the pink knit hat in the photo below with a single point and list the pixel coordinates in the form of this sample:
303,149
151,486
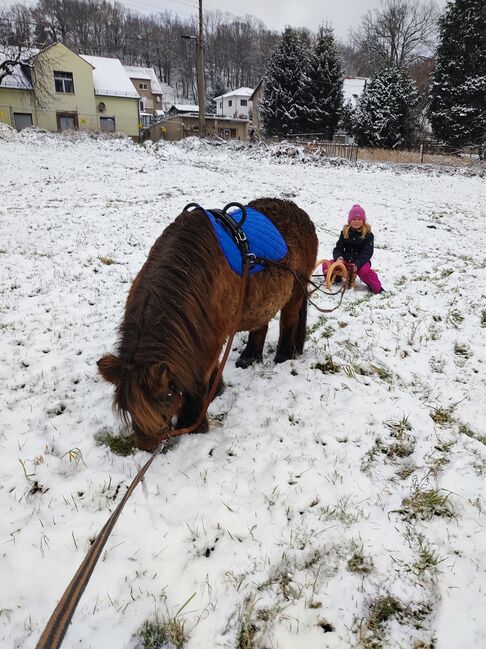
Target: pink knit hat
357,212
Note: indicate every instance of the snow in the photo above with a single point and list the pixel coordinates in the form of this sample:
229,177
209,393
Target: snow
262,520
239,92
185,108
353,88
109,77
144,73
17,79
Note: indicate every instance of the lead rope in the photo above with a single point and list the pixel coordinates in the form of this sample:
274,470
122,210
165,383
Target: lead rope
56,627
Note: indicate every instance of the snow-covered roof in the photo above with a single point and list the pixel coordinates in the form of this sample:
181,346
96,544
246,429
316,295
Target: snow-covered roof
240,92
135,72
18,79
353,87
186,108
109,77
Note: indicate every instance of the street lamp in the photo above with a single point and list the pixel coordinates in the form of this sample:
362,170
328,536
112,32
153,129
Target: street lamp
201,92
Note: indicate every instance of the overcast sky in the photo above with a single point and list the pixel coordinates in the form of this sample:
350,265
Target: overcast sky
276,14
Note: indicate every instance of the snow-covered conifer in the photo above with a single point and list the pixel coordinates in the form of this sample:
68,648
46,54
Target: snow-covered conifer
383,116
282,108
324,86
458,92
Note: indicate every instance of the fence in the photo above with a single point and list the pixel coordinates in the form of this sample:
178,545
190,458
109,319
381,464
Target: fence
312,142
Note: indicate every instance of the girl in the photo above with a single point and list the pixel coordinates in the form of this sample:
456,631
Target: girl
355,247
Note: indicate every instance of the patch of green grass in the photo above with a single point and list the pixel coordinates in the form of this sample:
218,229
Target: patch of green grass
162,634
321,322
428,558
359,563
425,504
385,609
442,416
246,635
119,445
400,426
406,471
382,373
382,610
455,318
465,430
340,512
328,366
462,350
106,260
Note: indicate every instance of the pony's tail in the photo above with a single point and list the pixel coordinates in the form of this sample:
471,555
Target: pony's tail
301,327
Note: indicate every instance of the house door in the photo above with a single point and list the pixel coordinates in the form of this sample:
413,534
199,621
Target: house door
66,121
22,120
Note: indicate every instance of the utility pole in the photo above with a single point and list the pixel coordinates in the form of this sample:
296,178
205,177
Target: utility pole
201,90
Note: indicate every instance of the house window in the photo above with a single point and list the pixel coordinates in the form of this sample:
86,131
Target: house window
142,86
243,102
230,102
221,104
22,120
107,124
66,121
63,82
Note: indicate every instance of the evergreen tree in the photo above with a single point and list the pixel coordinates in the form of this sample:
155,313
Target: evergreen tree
216,89
324,91
282,108
458,93
384,113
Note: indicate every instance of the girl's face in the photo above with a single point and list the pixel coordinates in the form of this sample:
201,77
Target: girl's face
356,224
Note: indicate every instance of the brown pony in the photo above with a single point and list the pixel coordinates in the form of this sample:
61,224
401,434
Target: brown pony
182,306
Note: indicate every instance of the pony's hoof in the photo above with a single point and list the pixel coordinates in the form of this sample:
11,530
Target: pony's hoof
246,361
281,357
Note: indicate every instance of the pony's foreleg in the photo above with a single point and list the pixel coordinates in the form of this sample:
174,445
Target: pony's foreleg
221,385
191,409
293,320
254,347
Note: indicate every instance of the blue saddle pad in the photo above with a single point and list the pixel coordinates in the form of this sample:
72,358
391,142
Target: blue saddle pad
264,240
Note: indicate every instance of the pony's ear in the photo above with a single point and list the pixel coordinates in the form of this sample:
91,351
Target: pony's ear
110,368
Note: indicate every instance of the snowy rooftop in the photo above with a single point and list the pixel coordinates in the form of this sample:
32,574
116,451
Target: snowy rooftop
185,108
18,79
239,92
109,77
135,72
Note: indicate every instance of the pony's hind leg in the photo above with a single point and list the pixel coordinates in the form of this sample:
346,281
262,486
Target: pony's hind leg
254,348
293,320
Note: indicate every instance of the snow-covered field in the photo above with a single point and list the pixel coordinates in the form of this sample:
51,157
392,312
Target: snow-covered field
338,499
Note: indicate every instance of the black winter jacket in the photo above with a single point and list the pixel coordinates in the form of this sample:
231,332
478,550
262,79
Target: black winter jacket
355,249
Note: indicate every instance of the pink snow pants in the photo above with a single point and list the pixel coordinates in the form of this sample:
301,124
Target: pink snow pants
366,275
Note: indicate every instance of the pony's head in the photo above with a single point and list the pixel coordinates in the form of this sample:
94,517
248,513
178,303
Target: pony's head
146,397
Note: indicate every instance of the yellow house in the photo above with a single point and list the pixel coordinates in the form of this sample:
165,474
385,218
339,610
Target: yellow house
62,90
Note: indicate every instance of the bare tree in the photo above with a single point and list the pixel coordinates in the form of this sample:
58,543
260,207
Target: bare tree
399,33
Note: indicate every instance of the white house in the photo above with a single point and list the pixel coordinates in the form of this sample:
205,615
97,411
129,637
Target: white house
352,89
235,103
